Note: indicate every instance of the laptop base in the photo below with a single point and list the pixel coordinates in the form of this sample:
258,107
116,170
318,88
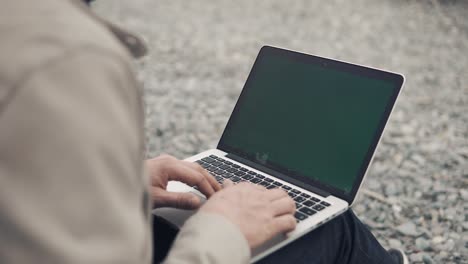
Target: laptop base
178,216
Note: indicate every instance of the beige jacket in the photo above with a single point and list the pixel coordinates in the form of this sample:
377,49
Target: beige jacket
72,183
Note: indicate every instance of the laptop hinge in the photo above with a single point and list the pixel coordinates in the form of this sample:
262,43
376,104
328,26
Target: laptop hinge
278,175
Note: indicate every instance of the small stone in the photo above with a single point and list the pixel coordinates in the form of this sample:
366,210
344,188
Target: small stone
464,194
419,159
418,194
360,208
441,197
450,213
437,229
465,225
394,243
415,257
391,189
452,197
437,239
382,217
422,243
449,245
427,259
408,228
444,254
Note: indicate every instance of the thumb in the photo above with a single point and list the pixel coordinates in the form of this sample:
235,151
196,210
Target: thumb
186,201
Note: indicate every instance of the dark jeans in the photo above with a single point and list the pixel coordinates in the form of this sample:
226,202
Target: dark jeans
343,240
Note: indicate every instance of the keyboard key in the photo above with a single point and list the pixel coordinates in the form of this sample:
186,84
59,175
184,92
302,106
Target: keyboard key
264,183
300,216
305,195
220,159
307,211
216,163
243,169
213,156
224,167
252,173
298,205
247,177
219,179
292,195
235,166
235,179
299,199
211,168
228,175
325,204
255,180
239,173
271,186
268,180
318,207
208,160
317,200
227,162
260,176
277,183
205,165
309,203
295,191
232,170
219,171
286,187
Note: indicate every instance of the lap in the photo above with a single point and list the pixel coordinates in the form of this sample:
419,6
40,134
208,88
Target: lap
342,240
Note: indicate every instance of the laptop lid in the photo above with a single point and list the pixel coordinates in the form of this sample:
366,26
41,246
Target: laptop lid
314,121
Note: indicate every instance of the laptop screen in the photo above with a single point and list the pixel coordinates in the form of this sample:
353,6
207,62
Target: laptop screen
313,119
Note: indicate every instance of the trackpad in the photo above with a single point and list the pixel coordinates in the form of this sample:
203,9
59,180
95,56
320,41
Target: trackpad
269,244
177,216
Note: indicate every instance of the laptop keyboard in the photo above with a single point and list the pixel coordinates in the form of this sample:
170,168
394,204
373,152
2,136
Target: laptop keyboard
221,169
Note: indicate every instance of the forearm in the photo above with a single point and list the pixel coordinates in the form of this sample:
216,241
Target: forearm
209,238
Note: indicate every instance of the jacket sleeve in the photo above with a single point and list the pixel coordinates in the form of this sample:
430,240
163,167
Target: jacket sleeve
72,187
209,239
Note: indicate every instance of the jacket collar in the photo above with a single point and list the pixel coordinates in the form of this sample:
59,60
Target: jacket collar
134,44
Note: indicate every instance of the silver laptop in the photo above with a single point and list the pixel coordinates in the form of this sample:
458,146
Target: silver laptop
307,124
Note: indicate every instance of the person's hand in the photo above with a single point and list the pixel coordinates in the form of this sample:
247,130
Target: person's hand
259,213
166,168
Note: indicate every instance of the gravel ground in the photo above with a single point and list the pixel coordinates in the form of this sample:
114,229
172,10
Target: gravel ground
415,196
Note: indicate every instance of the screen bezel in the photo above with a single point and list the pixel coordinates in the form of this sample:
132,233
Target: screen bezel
394,78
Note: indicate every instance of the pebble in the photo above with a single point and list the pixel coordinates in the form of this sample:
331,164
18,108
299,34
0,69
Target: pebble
427,259
416,257
422,243
449,245
465,225
408,228
394,243
438,239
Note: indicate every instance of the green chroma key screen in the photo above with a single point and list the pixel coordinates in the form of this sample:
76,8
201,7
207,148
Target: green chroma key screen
308,119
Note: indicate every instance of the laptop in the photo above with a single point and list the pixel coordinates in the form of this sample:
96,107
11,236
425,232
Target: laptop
307,124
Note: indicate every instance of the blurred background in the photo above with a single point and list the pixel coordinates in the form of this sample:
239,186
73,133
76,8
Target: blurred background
415,196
